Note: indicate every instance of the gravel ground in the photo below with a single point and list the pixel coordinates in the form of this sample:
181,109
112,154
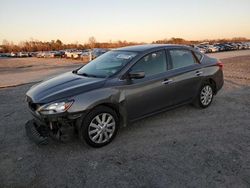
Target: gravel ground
18,71
185,147
230,54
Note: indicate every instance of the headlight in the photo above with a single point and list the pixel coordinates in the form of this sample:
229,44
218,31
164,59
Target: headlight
55,108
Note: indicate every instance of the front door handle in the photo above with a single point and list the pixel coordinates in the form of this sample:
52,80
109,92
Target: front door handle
167,81
198,73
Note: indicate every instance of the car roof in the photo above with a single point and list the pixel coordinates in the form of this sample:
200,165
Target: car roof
145,47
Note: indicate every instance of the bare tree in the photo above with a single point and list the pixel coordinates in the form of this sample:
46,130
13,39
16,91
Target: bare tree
5,42
92,42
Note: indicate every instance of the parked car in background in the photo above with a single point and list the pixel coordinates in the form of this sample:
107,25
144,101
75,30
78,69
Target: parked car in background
97,52
57,54
47,54
76,54
69,53
232,45
22,54
220,47
85,53
228,47
33,54
202,50
245,46
39,54
44,54
13,54
211,48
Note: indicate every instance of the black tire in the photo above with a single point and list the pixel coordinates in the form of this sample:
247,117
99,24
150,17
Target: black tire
84,128
198,100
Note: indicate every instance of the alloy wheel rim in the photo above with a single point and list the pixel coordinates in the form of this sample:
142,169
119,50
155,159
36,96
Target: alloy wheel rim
206,95
101,128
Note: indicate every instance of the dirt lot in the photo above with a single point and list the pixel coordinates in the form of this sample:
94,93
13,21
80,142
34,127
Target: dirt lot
17,71
229,54
185,147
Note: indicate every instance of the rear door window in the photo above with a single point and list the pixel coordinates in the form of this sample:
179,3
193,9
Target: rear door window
181,58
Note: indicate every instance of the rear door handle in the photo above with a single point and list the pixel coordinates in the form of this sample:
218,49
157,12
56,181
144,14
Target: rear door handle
167,81
198,73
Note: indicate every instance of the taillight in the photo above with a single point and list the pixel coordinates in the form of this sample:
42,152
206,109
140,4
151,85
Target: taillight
220,64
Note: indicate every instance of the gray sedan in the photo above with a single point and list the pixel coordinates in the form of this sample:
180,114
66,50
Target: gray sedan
119,87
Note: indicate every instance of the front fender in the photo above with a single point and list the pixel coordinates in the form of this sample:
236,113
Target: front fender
87,101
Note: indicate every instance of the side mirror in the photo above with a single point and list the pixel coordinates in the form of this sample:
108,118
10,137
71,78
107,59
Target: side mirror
136,75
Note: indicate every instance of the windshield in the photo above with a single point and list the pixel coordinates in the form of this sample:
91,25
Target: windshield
107,64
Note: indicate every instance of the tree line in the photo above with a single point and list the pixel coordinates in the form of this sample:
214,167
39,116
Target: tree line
54,45
193,42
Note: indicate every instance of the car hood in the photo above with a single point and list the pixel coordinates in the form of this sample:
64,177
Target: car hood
63,86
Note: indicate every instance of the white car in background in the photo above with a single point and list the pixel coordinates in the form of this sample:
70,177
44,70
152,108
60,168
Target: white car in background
12,54
76,54
22,54
44,54
208,48
212,48
69,53
202,50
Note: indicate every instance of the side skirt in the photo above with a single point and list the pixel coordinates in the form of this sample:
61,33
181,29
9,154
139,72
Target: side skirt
160,111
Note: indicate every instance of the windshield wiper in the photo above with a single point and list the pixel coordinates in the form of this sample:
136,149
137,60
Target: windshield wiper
75,71
86,75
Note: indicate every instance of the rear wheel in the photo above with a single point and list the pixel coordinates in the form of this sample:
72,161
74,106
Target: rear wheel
99,127
205,96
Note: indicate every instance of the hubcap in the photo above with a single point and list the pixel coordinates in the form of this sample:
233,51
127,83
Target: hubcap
101,128
206,95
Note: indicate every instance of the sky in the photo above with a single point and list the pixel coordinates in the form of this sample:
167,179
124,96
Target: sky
133,20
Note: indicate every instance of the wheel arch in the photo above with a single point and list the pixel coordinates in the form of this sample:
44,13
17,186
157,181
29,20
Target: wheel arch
115,107
213,84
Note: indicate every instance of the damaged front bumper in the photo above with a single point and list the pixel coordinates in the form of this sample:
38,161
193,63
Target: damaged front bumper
57,126
34,134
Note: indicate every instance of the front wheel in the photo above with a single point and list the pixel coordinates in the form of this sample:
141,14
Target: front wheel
99,127
205,96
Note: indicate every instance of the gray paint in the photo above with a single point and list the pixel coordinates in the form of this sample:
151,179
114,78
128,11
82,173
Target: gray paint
135,98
